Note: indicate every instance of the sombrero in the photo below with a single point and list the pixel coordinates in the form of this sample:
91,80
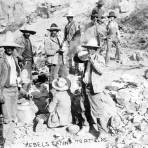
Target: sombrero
69,14
54,27
92,43
27,30
9,41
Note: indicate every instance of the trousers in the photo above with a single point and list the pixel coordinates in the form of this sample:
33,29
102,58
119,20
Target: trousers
109,46
9,108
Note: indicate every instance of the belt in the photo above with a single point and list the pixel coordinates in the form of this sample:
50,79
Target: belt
50,55
10,86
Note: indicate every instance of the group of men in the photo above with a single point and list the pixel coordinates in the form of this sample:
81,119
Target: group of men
92,37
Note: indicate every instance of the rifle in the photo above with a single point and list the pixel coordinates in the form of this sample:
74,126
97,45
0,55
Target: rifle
2,140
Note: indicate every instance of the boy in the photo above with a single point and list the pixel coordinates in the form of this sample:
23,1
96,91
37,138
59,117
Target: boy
113,36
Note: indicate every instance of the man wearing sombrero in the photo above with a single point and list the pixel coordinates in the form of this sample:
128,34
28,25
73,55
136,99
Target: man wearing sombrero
98,9
54,52
69,34
26,54
10,71
113,36
94,65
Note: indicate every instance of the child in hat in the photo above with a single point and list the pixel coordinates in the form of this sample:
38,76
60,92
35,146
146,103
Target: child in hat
113,36
59,108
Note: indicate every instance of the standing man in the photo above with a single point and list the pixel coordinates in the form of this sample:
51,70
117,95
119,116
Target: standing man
113,37
54,53
69,34
26,55
94,65
98,9
10,71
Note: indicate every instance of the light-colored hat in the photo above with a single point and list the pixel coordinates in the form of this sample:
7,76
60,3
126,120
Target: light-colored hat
69,14
100,2
54,27
9,41
26,29
92,43
61,84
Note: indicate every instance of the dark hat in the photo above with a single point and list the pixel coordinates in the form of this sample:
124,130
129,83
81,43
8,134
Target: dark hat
100,2
112,14
54,27
27,30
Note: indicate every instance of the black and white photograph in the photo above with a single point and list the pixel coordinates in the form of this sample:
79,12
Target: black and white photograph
73,73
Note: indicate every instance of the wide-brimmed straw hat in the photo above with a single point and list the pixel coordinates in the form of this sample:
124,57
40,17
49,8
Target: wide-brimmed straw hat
9,41
112,14
92,44
61,84
54,27
26,29
100,2
69,14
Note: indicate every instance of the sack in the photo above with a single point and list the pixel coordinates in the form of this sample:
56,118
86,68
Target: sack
26,112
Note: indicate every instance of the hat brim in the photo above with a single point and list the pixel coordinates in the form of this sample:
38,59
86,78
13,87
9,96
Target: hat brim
92,47
112,16
69,16
11,45
28,31
55,86
101,4
54,29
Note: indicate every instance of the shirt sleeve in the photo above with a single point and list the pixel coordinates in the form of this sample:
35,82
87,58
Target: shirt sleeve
98,63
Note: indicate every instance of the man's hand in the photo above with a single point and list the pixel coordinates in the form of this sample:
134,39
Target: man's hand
85,80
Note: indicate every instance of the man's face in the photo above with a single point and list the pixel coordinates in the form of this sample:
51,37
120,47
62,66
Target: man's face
69,18
53,33
111,18
9,50
26,35
92,51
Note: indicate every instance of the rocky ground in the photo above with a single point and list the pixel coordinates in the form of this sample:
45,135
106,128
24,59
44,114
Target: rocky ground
126,84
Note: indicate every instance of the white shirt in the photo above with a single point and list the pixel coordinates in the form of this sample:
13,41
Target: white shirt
13,72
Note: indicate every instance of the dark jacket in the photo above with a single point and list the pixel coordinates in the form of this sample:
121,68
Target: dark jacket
69,31
26,52
5,71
